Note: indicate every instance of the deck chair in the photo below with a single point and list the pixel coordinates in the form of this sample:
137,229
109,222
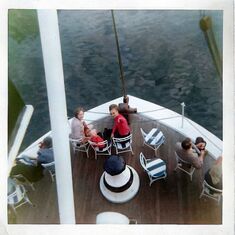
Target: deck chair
184,166
154,139
106,150
50,167
79,146
155,168
110,217
123,145
20,179
211,192
18,198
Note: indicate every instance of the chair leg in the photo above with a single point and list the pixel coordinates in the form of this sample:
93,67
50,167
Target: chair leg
191,177
13,209
132,153
201,193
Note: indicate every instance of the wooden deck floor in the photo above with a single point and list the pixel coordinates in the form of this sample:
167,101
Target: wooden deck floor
174,200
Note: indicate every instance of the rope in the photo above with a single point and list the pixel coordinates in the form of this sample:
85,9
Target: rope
119,57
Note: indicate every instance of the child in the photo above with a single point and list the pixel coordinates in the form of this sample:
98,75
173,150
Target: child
120,128
94,137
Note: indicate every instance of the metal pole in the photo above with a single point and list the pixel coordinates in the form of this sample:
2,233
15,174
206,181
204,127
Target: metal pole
119,57
50,40
206,27
182,105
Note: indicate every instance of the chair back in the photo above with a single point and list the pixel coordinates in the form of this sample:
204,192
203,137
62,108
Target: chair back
212,188
179,159
123,143
77,144
17,195
143,161
95,146
49,166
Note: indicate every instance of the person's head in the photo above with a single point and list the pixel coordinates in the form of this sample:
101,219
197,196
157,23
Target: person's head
186,144
79,113
47,142
200,143
89,132
113,109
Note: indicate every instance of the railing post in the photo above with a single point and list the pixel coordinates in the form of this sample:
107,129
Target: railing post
182,105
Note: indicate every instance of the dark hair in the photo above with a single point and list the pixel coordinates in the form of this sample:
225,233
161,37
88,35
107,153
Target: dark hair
47,142
77,111
186,144
199,140
113,106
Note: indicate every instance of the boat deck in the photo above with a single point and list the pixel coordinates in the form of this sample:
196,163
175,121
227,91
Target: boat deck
174,200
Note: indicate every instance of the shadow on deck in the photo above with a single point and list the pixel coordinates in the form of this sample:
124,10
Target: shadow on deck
174,200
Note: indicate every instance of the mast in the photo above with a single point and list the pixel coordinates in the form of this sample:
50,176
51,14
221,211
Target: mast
52,58
207,28
119,57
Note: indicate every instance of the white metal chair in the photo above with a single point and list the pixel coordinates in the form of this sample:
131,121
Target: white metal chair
50,167
79,146
110,217
18,198
155,168
106,150
184,166
211,192
154,139
123,145
20,179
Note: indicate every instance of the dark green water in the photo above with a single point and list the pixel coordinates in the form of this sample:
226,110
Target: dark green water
165,57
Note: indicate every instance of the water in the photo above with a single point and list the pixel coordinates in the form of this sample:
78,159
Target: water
165,58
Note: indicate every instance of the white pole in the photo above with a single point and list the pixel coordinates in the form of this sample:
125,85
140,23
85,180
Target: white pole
50,40
182,105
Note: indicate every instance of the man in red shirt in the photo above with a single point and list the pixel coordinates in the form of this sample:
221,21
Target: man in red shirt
120,128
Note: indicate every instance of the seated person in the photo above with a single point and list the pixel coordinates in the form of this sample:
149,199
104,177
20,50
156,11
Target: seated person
78,124
95,138
120,128
45,153
200,144
125,109
30,167
214,175
186,153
